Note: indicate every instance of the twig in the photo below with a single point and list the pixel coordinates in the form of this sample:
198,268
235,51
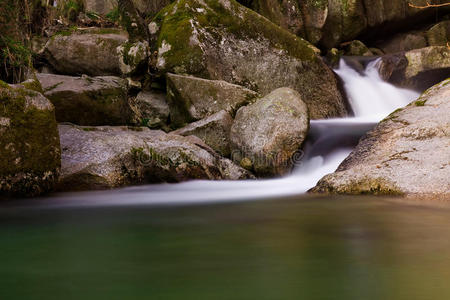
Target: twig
428,5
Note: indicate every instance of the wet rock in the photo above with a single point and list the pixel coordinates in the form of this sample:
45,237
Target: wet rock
191,99
417,69
269,132
213,130
88,100
29,142
223,40
107,157
407,153
151,109
85,52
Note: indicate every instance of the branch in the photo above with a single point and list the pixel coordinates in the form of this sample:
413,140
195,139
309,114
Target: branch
428,5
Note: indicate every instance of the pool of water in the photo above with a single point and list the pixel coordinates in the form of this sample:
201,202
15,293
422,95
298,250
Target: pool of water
303,247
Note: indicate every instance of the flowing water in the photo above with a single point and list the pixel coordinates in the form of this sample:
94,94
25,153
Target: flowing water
174,241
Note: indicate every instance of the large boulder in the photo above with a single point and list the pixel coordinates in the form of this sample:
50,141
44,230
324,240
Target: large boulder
416,69
101,7
266,135
107,157
88,100
151,109
223,40
191,99
29,142
408,152
404,42
213,130
85,52
150,8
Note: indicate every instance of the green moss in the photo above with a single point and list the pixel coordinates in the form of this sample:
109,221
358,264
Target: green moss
420,102
33,85
31,144
89,129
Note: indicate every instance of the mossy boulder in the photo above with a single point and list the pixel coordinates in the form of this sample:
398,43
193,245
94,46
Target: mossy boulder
88,100
79,52
213,130
267,134
107,157
417,69
149,8
191,99
357,48
407,153
29,142
151,109
134,58
223,40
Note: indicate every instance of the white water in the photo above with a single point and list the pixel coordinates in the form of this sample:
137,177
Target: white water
329,143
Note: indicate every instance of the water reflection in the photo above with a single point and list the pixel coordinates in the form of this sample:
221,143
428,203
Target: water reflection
302,248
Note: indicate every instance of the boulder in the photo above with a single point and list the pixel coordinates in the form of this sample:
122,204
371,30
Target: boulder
191,99
416,69
404,42
107,157
439,34
88,100
357,48
213,130
266,135
83,52
223,40
134,57
407,153
150,8
151,109
29,142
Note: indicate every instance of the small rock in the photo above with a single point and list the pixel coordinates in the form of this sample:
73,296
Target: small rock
213,130
191,99
151,109
269,132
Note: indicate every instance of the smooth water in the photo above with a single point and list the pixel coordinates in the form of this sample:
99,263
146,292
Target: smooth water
306,247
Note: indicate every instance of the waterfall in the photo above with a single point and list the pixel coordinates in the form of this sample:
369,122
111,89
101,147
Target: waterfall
329,142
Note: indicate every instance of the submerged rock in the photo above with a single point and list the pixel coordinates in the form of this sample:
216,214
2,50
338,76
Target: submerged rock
223,40
191,99
107,157
213,130
85,52
408,152
151,109
266,135
29,142
416,69
88,100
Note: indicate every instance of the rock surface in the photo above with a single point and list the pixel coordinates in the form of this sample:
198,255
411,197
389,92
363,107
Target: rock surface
266,135
107,157
439,34
408,152
213,130
29,142
88,100
79,52
417,69
223,40
151,109
191,99
134,57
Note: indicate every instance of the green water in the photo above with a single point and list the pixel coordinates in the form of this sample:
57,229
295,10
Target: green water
296,248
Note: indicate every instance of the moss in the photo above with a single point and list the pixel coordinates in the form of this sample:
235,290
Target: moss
420,102
33,85
89,129
50,88
31,144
